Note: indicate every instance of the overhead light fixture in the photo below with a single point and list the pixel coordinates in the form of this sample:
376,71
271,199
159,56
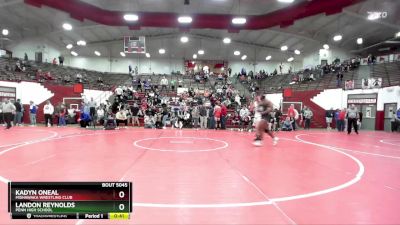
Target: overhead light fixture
290,59
161,51
239,20
244,57
122,54
194,56
201,52
326,47
81,43
69,46
236,52
286,1
185,19
74,53
284,48
227,40
97,53
131,17
359,41
147,55
5,32
337,37
268,58
67,26
397,34
374,15
184,39
297,52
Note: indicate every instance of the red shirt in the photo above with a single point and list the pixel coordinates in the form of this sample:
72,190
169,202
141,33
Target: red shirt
291,112
342,115
224,110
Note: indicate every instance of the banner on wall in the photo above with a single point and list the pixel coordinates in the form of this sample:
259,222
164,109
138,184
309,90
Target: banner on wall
371,83
361,101
8,93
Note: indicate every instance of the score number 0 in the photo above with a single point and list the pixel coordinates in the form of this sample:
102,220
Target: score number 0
121,195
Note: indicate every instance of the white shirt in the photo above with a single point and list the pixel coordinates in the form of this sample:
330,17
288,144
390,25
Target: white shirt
48,109
118,91
164,81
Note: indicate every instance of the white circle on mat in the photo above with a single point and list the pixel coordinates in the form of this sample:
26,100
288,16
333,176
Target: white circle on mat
184,140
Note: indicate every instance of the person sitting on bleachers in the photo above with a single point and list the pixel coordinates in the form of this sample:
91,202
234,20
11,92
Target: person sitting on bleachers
121,117
78,78
287,125
149,122
48,76
67,78
99,80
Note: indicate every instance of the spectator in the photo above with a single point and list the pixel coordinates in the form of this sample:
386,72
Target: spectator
394,120
341,120
110,123
195,116
217,116
100,114
329,114
203,116
287,125
32,113
8,108
293,115
92,108
244,114
278,115
54,61
149,122
121,117
61,60
308,114
164,84
224,113
135,113
61,117
48,111
18,113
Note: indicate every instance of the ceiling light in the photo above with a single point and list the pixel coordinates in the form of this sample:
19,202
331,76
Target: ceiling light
286,1
337,37
359,41
236,52
297,52
161,51
397,34
194,56
326,46
122,54
74,53
201,52
290,59
67,26
184,39
5,32
244,57
131,17
284,48
239,20
227,40
147,55
97,53
69,46
268,58
81,43
374,15
185,19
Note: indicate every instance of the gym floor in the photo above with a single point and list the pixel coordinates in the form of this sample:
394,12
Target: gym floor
216,177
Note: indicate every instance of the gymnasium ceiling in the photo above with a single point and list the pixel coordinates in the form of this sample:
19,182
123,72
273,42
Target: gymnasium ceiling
270,25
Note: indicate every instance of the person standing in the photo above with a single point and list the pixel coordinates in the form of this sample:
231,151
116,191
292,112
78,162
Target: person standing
8,109
32,113
224,113
48,111
18,113
394,121
195,116
164,84
352,116
308,114
329,114
61,115
135,111
203,117
264,107
92,110
293,115
244,114
217,116
341,120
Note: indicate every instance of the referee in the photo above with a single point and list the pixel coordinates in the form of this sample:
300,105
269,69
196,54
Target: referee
352,116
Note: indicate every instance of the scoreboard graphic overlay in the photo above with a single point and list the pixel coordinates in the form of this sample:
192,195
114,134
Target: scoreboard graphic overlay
70,200
135,44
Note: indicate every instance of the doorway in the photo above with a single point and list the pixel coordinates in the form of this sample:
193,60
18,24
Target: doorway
389,108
